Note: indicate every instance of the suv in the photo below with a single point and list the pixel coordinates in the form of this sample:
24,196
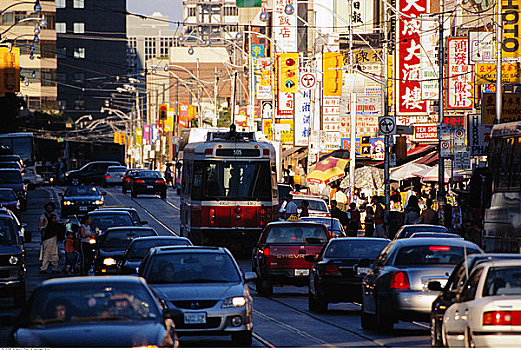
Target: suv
13,179
90,173
12,266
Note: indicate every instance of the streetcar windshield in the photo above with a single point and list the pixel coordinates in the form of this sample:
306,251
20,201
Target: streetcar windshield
232,180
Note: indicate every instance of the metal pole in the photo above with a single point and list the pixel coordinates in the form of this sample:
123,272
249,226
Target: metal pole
499,38
385,91
215,96
199,111
251,113
234,87
352,109
441,164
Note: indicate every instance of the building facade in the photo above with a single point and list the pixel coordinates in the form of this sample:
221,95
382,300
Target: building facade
210,19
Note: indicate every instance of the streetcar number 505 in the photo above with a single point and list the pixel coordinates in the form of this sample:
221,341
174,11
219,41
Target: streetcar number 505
237,152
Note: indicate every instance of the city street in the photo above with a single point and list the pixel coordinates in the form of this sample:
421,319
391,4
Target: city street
283,320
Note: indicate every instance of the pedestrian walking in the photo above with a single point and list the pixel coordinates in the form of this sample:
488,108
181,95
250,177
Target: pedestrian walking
168,175
304,211
354,220
412,212
341,199
86,250
49,249
70,259
289,207
339,214
379,229
369,221
428,215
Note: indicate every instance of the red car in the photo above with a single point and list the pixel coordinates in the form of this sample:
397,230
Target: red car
279,256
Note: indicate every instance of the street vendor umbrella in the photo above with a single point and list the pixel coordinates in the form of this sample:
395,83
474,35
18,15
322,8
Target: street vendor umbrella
366,177
407,171
431,175
327,170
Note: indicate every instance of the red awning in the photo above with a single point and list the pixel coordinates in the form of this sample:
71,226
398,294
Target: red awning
420,149
428,159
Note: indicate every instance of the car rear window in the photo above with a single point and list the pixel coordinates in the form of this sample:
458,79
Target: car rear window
313,204
355,249
82,191
431,255
324,221
114,169
104,221
122,238
138,249
407,232
503,281
302,234
7,195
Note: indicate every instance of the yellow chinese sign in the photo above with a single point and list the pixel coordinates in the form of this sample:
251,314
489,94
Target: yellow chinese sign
169,121
267,128
509,110
9,69
486,73
363,56
286,132
511,24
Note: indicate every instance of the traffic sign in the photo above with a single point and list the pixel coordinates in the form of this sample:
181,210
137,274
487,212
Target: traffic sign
308,80
445,149
387,125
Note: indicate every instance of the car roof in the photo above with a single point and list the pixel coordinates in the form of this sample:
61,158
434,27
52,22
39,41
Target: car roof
148,238
499,263
11,169
293,223
5,216
322,218
91,279
135,228
188,249
435,234
432,241
305,196
422,225
6,189
104,212
108,208
360,239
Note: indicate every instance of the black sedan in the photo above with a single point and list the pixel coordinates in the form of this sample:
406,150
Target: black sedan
81,200
120,311
103,219
112,245
148,182
140,246
127,179
339,270
132,211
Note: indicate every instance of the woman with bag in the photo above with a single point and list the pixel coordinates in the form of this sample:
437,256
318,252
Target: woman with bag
49,251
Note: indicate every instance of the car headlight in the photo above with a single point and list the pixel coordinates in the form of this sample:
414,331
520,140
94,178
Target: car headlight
234,302
68,202
98,202
13,260
109,261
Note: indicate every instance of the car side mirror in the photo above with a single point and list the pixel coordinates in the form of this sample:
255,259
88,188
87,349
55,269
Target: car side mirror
144,222
434,286
250,276
364,262
457,298
310,258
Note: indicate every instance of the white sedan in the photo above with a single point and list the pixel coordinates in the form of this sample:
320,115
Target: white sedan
487,312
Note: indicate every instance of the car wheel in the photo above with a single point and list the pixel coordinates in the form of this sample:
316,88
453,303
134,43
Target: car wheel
469,342
163,194
75,182
242,338
444,342
367,320
19,297
436,341
264,288
383,324
133,194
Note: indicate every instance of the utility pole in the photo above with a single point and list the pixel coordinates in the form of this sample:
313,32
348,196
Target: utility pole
499,63
251,112
352,110
199,111
385,98
216,87
441,165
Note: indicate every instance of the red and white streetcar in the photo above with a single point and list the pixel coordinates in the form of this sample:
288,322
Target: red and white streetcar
229,189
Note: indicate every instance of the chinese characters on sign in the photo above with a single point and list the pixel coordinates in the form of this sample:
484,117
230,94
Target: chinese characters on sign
303,113
284,27
409,96
459,75
486,73
285,104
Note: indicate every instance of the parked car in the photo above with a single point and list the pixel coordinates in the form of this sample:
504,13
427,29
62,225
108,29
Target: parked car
11,158
8,200
435,235
136,220
127,179
81,200
333,224
12,259
407,231
396,287
337,273
13,179
148,182
114,175
206,288
487,309
456,281
279,256
90,173
140,246
120,311
112,244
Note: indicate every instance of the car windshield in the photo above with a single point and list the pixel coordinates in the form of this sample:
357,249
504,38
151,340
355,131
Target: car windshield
298,234
432,255
6,232
408,231
231,180
192,268
82,191
10,165
10,177
7,196
116,169
122,238
355,248
324,221
313,204
505,280
106,220
138,249
96,301
149,174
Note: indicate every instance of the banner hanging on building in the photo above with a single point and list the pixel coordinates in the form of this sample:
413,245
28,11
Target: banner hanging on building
511,24
460,78
284,27
303,109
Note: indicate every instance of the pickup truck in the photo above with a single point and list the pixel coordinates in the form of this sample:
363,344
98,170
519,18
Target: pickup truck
278,257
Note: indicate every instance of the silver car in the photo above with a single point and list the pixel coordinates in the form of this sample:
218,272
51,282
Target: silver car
487,311
204,289
114,175
396,287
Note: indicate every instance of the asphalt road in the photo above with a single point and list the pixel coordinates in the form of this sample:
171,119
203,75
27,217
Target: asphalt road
280,321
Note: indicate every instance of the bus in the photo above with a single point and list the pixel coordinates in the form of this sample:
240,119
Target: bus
229,190
20,143
502,218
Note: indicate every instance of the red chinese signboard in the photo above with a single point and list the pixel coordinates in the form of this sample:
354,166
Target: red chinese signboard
459,75
409,56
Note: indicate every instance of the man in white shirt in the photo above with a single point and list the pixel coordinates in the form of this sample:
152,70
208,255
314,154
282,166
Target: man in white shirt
289,207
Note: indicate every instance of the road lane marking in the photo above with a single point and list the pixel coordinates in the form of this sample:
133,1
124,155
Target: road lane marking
262,340
170,204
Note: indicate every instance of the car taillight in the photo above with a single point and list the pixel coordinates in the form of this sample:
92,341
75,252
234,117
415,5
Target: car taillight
107,176
332,270
497,318
160,181
140,181
400,280
262,217
262,211
211,216
266,252
126,179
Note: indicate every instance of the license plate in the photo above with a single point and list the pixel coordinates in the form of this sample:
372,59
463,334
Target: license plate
83,208
301,272
150,187
195,317
362,270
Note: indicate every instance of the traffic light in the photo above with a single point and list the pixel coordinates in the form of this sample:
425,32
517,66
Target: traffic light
9,69
333,63
162,110
288,72
365,145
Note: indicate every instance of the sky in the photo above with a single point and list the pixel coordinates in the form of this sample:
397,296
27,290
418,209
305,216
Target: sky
171,8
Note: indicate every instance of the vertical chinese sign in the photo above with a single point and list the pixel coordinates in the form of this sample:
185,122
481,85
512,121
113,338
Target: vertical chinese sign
460,76
284,27
303,109
183,115
409,96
